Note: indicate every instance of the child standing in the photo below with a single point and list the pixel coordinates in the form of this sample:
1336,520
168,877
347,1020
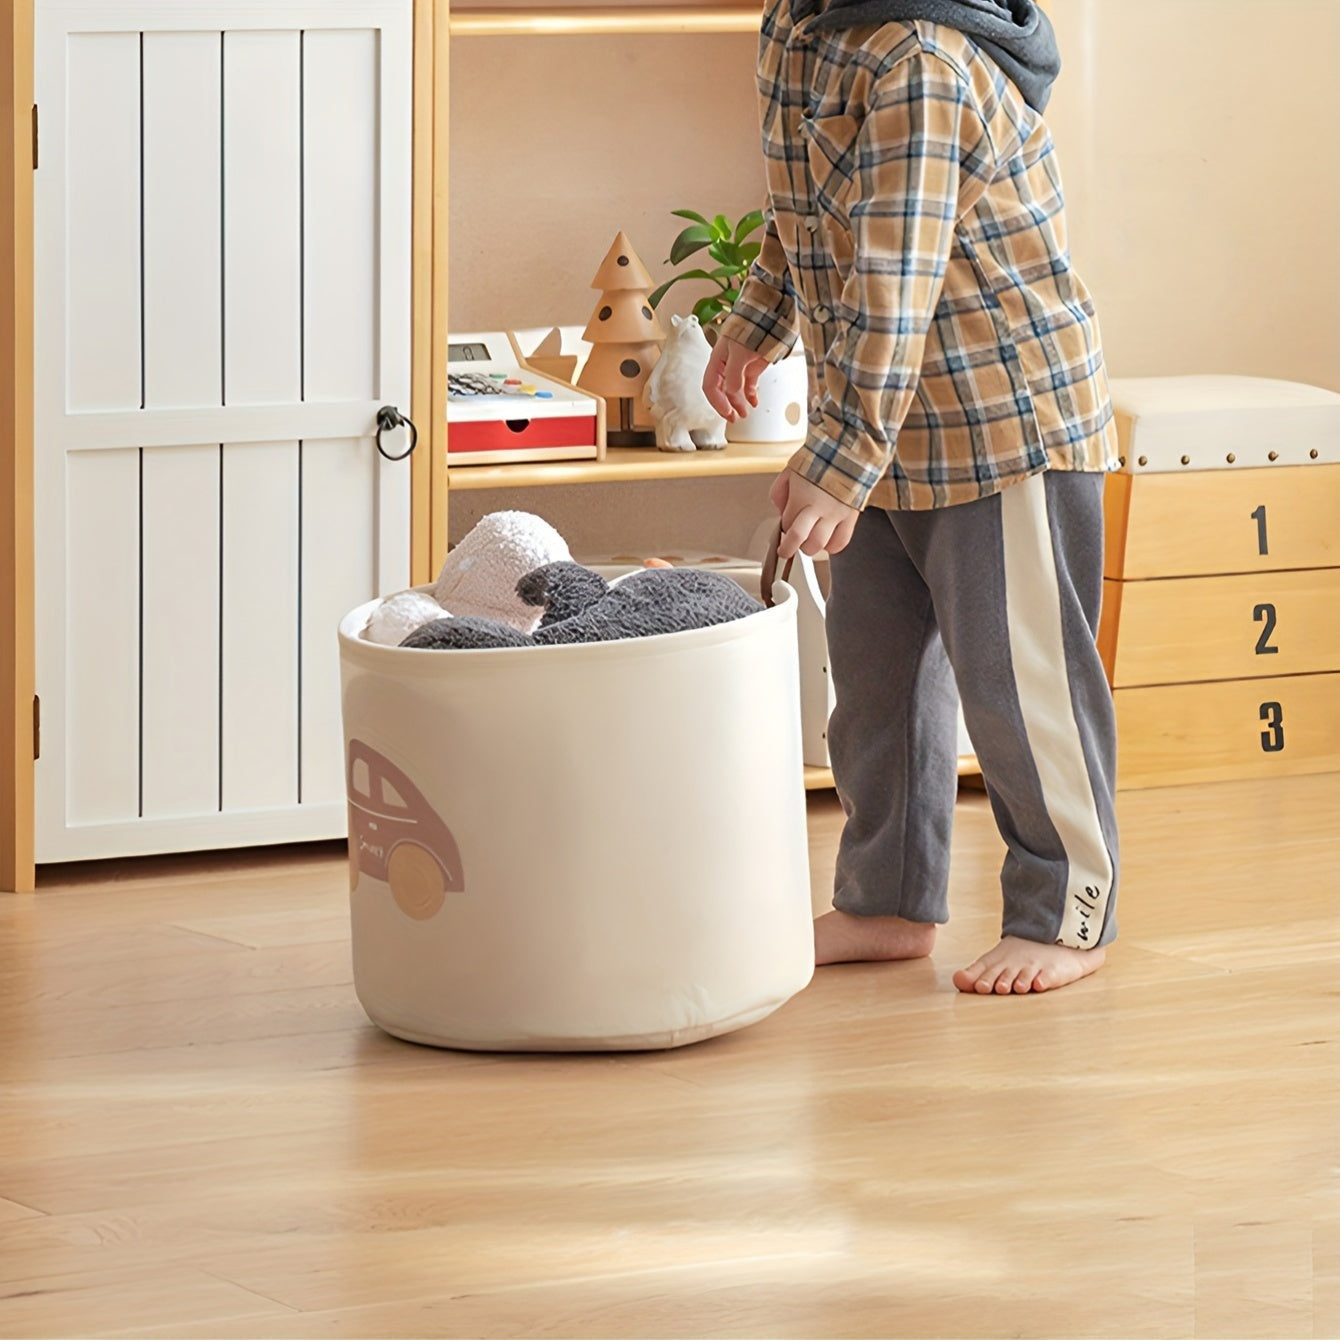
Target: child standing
960,425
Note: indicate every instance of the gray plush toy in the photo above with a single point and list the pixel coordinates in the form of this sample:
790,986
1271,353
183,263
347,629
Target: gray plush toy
580,606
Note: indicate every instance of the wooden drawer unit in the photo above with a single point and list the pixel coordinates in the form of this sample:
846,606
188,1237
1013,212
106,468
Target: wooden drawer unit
1211,628
1220,629
1211,521
1181,733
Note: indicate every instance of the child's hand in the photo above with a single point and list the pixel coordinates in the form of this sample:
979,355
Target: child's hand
812,521
731,380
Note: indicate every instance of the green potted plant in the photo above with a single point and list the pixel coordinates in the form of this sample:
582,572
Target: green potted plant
783,389
726,243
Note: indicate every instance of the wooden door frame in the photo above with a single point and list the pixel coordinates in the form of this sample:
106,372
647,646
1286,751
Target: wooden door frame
16,450
435,279
428,393
429,287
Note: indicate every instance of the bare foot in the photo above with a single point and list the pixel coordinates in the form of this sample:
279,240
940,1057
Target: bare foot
1016,967
840,937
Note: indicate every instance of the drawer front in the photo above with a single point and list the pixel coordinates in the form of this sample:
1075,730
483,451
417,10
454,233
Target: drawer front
1184,733
468,439
1220,521
1207,628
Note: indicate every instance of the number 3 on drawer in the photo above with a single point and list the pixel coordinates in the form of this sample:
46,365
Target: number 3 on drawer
1272,738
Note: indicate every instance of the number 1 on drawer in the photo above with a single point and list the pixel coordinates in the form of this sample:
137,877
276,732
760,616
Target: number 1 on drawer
1262,543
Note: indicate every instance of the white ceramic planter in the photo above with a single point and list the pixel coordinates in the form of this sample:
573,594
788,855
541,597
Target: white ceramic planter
781,413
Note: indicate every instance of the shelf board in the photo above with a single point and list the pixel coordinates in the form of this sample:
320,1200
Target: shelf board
622,464
577,20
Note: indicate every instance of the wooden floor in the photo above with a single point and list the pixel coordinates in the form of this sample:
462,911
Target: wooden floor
201,1135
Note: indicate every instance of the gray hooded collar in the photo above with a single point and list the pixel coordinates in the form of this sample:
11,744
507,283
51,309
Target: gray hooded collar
1016,34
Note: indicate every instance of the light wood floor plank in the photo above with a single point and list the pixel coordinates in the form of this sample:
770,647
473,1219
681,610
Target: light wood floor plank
93,1304
201,1134
11,1210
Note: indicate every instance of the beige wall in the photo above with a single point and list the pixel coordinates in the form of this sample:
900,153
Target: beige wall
557,143
1200,141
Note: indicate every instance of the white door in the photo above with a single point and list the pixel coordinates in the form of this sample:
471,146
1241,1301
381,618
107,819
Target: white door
222,304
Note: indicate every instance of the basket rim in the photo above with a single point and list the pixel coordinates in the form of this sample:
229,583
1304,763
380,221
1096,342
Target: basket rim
356,647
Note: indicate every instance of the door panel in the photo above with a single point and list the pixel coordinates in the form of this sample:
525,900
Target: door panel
262,147
222,270
103,619
339,545
259,707
183,304
102,223
179,632
339,221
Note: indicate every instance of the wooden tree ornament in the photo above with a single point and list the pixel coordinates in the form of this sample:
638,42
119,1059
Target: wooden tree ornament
625,337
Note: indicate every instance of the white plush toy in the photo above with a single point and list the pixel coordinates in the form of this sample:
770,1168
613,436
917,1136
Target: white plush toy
480,575
399,616
478,578
674,392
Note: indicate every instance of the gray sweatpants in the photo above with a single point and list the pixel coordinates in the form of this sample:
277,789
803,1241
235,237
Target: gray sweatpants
1005,591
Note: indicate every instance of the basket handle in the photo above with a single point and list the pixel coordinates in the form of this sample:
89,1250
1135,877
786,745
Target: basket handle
769,576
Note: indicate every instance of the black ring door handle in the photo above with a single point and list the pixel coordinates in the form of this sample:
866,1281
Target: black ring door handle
388,419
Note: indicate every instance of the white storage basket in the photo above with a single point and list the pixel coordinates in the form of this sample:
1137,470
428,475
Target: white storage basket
578,847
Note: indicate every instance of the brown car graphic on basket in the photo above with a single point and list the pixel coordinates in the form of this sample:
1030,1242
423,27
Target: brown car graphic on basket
395,835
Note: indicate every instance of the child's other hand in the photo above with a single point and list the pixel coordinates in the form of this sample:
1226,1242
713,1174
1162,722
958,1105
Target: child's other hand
731,380
812,521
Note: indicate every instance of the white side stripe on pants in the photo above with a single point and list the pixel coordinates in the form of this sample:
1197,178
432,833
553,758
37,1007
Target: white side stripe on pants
1041,679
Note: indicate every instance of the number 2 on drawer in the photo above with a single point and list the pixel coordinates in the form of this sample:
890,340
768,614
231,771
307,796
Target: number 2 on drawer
1266,612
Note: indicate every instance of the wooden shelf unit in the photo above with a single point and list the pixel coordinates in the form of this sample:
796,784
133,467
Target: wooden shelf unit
622,464
578,21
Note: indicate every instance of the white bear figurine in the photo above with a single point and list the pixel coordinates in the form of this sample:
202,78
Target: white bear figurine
674,392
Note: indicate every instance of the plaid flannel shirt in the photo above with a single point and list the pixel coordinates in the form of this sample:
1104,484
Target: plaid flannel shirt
916,242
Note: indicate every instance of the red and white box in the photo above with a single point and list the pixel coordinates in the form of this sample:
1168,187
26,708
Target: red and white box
501,412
